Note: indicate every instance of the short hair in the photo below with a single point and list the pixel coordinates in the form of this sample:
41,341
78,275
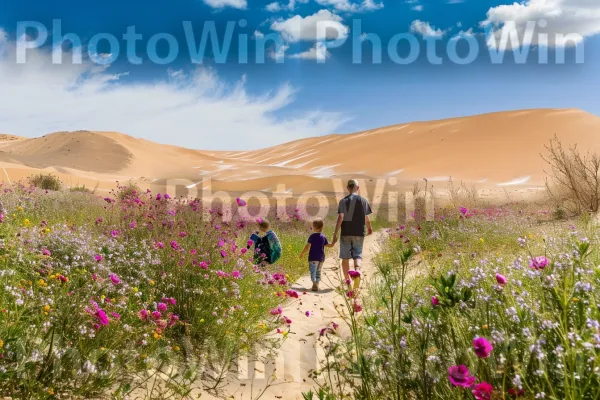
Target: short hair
263,223
318,224
352,183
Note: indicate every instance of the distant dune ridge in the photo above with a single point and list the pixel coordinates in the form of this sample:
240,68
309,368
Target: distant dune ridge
499,149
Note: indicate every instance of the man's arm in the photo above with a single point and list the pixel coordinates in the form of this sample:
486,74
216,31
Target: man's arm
369,227
338,226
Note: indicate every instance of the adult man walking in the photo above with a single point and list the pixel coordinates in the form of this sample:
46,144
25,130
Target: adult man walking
353,215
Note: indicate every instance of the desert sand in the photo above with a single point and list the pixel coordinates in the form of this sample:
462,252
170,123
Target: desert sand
498,150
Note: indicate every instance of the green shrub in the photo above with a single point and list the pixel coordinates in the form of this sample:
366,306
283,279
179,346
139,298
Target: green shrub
46,182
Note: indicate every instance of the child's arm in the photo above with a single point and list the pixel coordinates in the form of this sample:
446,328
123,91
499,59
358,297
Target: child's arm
306,249
329,245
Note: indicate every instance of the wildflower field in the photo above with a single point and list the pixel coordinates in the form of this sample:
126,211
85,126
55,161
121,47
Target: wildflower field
491,303
130,293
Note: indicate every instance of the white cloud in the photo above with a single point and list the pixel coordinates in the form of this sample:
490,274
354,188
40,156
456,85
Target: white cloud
195,109
348,6
273,7
278,54
464,34
425,29
276,6
579,18
418,8
299,28
258,34
318,52
241,4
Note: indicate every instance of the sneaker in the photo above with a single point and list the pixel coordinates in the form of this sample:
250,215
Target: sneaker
315,286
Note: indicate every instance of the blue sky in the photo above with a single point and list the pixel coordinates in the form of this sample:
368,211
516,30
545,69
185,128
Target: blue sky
227,105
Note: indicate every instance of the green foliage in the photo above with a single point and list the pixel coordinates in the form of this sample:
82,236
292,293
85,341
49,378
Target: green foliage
46,182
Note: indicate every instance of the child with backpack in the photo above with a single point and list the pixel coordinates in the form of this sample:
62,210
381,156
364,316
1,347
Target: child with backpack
316,252
267,248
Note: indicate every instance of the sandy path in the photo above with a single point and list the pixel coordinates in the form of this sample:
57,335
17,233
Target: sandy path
301,351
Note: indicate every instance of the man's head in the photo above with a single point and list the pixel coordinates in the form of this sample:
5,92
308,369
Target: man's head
352,186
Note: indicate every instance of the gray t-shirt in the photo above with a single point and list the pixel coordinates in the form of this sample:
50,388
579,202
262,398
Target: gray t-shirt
354,208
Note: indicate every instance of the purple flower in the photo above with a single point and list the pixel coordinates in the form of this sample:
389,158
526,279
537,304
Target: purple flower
114,279
463,210
115,315
98,257
435,301
162,307
174,245
46,252
240,202
101,317
539,262
236,274
459,375
501,279
482,347
115,233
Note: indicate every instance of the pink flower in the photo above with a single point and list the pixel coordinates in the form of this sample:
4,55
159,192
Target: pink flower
292,293
158,196
483,348
114,279
236,274
250,242
482,391
174,245
46,252
98,257
115,233
101,317
221,243
182,234
463,210
240,202
115,315
203,265
539,262
435,301
354,274
276,311
459,375
244,250
162,307
169,300
501,279
166,196
308,313
143,315
223,253
287,320
156,314
357,307
132,225
1,217
159,245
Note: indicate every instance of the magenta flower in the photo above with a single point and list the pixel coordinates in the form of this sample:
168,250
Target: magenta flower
174,245
482,391
156,314
221,243
158,196
287,320
98,257
132,225
101,317
169,300
240,202
276,311
166,196
463,210
236,274
250,242
114,278
435,301
159,245
115,233
539,262
292,293
46,252
115,315
357,307
308,313
223,253
482,347
203,265
98,220
501,279
459,375
244,250
143,315
354,274
162,307
1,217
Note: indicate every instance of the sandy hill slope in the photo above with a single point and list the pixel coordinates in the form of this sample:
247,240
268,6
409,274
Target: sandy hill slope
498,149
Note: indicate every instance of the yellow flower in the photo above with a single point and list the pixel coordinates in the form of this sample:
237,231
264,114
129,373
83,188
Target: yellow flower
26,222
176,348
42,283
575,299
46,308
481,240
48,230
135,290
151,282
202,320
1,343
156,336
484,326
20,208
51,392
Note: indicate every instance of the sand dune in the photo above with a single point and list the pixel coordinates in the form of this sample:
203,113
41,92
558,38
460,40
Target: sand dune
499,149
